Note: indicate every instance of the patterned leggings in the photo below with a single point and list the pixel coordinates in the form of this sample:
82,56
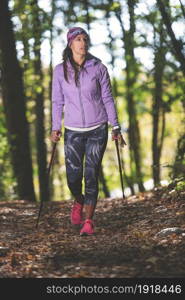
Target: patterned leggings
92,145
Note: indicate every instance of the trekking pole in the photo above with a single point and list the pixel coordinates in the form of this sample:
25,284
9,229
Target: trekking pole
119,162
48,172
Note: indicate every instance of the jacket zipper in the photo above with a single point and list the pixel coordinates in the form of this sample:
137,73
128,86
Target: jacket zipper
80,98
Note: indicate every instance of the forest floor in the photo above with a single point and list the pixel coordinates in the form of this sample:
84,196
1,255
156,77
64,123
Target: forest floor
141,238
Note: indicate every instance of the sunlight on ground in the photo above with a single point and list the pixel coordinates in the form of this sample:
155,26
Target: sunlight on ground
147,184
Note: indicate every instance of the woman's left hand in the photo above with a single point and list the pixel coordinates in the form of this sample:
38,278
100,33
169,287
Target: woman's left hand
119,137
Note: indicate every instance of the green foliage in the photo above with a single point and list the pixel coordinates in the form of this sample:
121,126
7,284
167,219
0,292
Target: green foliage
180,186
116,6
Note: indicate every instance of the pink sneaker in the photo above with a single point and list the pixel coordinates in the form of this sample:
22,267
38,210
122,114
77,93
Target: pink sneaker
88,228
76,213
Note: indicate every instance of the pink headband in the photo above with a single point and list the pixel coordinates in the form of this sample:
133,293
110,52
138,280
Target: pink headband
73,32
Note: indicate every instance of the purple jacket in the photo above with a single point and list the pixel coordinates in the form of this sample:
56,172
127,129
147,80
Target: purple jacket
89,104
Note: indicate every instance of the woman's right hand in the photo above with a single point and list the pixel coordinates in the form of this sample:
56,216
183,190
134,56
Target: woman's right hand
55,136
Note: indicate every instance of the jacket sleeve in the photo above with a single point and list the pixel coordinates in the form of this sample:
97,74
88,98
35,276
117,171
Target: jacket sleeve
57,100
107,97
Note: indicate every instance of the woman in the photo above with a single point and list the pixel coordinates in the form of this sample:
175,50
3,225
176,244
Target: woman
81,85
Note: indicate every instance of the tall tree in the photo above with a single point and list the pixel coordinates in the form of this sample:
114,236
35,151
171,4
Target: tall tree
179,164
158,111
177,43
182,8
87,16
51,30
103,181
178,51
14,105
111,47
2,135
131,79
39,104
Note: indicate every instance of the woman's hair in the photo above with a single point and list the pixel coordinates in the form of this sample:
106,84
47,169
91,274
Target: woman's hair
68,54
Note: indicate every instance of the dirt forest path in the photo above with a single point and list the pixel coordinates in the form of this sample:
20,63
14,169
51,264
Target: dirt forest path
144,238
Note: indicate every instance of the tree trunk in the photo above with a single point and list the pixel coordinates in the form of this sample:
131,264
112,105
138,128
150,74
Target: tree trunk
53,12
179,165
177,44
104,183
15,109
39,100
87,16
157,111
131,77
115,89
182,8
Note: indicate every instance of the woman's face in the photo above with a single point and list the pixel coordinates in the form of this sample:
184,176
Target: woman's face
80,44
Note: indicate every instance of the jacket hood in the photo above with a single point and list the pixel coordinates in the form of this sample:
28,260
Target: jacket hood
91,60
